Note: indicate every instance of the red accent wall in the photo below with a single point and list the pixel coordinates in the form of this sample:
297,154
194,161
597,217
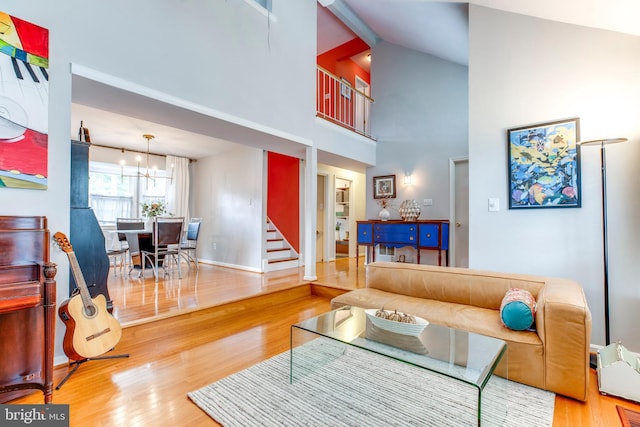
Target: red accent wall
283,196
338,61
344,52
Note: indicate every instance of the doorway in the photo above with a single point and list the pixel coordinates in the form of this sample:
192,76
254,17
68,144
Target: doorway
321,218
342,213
459,196
362,107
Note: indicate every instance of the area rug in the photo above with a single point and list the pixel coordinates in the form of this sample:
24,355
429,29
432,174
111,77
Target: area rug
628,418
352,387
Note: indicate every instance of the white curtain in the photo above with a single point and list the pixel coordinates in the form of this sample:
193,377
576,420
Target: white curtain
177,190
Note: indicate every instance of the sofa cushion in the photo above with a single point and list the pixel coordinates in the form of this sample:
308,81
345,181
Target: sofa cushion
479,288
518,309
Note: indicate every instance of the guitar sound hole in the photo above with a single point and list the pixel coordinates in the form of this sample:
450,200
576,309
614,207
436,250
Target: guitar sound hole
90,310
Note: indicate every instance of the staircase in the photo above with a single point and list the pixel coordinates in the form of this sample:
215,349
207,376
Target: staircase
280,255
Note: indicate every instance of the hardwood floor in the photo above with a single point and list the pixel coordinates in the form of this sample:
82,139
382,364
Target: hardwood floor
139,300
231,320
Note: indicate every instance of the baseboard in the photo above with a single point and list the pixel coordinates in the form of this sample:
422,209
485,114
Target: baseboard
60,360
234,266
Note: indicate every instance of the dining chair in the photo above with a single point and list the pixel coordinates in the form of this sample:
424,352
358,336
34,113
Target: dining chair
114,255
167,232
118,249
127,224
190,242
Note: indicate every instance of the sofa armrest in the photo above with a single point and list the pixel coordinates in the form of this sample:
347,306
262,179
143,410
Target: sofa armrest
563,321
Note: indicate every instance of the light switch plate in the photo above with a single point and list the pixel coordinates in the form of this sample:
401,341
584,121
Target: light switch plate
428,202
494,204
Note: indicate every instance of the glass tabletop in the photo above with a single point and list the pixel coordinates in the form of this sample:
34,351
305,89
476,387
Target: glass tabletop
462,355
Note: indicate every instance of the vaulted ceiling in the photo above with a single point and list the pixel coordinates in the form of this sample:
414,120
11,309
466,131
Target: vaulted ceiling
437,28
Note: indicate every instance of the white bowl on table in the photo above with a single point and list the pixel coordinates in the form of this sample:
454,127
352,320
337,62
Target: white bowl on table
413,329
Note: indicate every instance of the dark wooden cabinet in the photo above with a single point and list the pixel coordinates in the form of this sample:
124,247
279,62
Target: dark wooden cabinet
421,235
85,234
27,308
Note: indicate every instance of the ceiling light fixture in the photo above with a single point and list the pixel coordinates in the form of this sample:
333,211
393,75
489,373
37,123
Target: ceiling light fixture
150,173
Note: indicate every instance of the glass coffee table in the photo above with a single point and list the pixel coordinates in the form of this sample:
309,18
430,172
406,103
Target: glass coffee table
454,354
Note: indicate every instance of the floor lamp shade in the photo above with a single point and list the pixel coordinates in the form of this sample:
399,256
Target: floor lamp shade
602,143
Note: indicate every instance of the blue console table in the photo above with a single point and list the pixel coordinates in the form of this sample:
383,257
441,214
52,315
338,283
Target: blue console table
421,234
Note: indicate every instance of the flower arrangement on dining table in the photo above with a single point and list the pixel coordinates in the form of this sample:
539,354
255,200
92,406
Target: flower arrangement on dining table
153,209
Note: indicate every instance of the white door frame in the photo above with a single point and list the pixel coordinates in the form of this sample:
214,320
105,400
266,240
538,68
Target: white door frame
326,217
452,207
361,111
350,181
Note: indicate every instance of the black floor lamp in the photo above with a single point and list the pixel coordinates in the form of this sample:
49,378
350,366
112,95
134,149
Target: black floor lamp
603,169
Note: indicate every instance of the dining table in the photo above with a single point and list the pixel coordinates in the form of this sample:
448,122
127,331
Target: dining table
138,241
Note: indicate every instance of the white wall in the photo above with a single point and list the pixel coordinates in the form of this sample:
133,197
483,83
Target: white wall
524,71
420,121
334,139
227,194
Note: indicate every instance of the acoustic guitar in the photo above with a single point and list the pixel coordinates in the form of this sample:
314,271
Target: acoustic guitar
91,329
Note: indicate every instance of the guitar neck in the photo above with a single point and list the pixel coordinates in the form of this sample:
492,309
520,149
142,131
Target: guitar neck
77,274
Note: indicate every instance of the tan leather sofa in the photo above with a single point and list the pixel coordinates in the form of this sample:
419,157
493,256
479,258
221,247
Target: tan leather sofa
555,357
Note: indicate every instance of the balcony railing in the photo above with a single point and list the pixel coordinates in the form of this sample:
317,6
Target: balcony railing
339,102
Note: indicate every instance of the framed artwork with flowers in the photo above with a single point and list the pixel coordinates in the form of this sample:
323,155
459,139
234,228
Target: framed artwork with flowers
384,187
544,165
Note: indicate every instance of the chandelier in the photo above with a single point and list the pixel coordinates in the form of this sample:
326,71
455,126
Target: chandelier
148,173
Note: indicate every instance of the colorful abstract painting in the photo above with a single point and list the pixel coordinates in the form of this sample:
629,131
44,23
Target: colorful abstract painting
544,165
24,103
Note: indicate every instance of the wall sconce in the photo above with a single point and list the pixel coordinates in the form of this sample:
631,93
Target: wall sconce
407,179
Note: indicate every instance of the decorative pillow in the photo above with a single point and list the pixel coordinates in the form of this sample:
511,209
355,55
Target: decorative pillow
518,309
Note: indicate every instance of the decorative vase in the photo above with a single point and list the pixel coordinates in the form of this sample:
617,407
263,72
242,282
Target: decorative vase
148,223
409,210
384,214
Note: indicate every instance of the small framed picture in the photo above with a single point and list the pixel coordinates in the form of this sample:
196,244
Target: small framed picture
544,165
384,187
345,90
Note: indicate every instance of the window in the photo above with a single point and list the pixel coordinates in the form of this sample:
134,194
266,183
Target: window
112,195
265,4
264,7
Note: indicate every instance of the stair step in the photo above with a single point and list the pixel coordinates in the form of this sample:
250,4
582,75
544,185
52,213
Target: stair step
273,261
279,253
277,250
282,265
275,244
